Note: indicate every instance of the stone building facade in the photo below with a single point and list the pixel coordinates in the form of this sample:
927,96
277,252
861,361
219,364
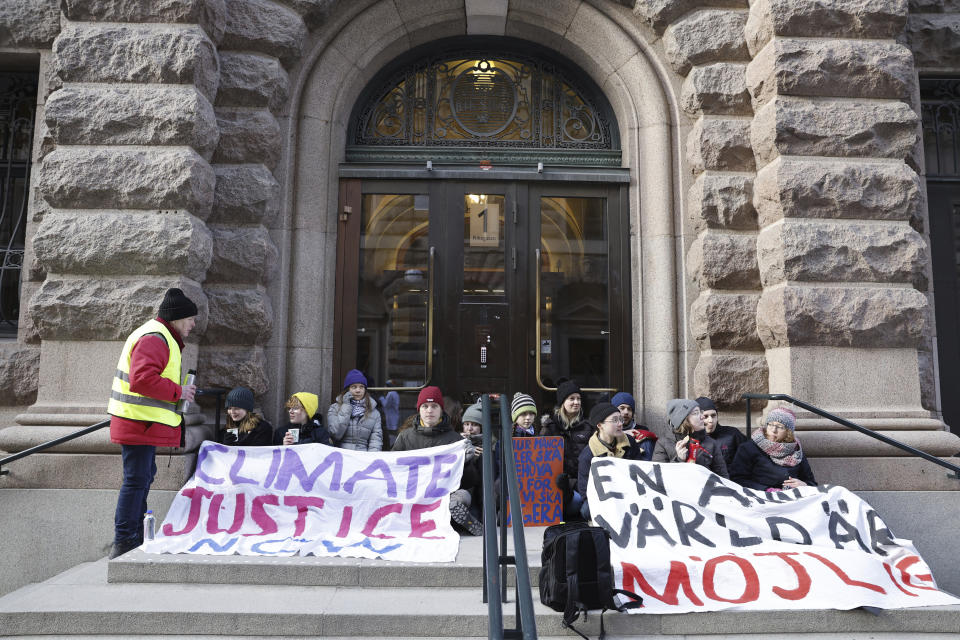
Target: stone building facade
778,227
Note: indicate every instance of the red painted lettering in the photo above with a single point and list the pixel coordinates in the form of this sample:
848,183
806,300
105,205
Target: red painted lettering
260,516
902,566
345,522
751,590
303,504
376,517
419,528
196,495
679,577
803,578
844,577
213,513
894,580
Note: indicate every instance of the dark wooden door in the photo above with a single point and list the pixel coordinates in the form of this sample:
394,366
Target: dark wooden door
482,286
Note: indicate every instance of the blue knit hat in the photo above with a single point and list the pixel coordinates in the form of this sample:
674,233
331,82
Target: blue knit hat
622,397
353,377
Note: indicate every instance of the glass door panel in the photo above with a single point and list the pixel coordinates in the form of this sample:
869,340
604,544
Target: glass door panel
483,245
574,313
393,290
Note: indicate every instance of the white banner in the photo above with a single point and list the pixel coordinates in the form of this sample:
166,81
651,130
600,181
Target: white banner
312,499
688,540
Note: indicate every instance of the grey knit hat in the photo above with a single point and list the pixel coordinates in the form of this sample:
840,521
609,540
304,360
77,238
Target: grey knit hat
522,403
782,415
678,409
473,413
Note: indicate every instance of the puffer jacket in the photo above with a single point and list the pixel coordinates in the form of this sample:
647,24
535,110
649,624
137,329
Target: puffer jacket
358,434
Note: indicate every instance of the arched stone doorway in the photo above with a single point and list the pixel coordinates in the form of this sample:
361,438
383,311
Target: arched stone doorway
331,83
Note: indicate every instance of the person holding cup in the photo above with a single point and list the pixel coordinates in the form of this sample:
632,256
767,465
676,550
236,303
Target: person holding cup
687,441
244,428
304,425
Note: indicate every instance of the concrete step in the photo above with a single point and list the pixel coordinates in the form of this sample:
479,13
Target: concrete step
83,603
467,571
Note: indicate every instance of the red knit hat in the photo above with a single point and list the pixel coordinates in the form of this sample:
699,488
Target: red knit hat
430,394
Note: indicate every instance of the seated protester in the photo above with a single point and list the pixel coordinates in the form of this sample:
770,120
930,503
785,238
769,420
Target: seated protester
608,440
626,405
728,438
686,441
523,412
772,459
567,422
244,428
432,429
353,421
471,425
300,406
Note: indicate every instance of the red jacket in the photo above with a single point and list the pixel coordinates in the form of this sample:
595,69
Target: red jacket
147,360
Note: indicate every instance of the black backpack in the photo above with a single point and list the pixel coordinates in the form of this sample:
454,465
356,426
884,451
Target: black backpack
576,575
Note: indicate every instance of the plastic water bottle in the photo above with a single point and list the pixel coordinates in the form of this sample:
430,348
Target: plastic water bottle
183,406
149,526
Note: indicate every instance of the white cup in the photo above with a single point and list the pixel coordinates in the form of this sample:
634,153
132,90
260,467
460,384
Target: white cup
235,432
295,433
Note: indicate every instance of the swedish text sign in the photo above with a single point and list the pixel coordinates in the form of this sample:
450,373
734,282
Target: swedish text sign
688,540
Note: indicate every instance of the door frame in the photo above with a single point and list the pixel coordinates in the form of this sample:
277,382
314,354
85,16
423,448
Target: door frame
522,189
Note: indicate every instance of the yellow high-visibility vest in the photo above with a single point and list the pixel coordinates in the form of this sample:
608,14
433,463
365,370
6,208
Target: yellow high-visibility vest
124,403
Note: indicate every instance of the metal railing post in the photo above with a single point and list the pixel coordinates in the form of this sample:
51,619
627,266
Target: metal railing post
491,561
853,426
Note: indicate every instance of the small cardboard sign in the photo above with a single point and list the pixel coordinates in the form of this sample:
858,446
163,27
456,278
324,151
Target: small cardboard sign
539,461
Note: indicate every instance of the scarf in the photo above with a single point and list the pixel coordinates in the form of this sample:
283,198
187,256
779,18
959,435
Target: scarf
785,454
357,408
600,448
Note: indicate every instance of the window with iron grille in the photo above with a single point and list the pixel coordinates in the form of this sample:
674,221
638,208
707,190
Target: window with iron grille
18,100
483,99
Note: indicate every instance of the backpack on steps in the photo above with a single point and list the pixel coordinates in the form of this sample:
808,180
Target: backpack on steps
576,575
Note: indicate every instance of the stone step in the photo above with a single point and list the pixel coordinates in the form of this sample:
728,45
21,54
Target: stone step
467,571
84,603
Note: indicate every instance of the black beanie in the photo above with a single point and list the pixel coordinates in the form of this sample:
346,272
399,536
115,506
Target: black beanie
566,389
176,306
706,404
241,397
601,412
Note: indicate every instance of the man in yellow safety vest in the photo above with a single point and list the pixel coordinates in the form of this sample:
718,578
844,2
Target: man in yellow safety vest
143,409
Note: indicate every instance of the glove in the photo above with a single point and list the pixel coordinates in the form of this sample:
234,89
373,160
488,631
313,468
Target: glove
562,482
229,438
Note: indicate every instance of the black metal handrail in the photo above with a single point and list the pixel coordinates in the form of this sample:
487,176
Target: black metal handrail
52,443
215,392
850,425
495,573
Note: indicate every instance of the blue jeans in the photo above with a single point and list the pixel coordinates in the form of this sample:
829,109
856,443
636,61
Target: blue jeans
139,468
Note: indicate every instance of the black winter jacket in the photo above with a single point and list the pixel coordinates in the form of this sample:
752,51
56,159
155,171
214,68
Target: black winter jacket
313,431
728,439
260,436
575,440
754,469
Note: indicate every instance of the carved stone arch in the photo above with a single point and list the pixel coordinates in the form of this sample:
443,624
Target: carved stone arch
608,44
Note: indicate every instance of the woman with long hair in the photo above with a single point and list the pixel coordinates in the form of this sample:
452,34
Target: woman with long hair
244,428
567,422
